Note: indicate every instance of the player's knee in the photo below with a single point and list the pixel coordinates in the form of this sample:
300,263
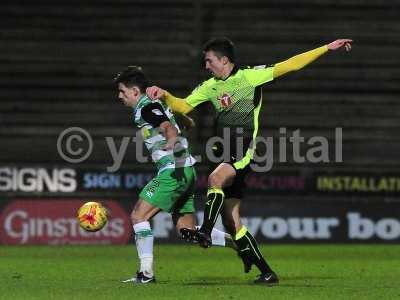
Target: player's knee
215,180
136,217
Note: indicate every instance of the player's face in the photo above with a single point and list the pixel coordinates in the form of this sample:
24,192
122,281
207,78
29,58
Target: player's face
214,64
128,96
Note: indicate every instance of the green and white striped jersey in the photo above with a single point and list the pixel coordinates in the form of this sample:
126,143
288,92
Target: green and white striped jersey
148,115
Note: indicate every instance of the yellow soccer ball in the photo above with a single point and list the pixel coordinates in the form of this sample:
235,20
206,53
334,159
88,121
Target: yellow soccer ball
92,216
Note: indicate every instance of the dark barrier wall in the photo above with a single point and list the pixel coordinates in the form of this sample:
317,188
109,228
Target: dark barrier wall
53,221
39,205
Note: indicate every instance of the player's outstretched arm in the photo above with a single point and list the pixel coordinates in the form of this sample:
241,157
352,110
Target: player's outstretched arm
176,104
301,60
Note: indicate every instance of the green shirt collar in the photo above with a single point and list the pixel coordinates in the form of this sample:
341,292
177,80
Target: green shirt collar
142,98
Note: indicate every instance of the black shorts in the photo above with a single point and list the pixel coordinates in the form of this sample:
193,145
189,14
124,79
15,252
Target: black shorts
238,186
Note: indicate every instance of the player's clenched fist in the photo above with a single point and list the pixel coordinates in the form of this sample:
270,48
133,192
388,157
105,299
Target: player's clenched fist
154,92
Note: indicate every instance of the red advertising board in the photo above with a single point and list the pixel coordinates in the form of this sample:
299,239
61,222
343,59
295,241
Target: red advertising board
54,222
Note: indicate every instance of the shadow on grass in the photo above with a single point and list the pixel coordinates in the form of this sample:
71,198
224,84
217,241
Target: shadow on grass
286,282
249,283
301,285
235,281
216,280
309,277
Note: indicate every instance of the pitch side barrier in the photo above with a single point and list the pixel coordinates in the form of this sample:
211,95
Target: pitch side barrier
39,202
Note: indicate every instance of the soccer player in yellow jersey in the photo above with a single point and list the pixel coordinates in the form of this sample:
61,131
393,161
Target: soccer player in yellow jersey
237,98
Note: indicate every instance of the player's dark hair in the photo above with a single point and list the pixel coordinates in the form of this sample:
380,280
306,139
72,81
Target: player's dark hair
221,46
133,76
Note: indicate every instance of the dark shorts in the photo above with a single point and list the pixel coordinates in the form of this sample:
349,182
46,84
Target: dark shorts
242,168
238,186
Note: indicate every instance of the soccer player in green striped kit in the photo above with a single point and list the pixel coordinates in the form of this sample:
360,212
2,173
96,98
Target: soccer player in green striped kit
172,190
237,98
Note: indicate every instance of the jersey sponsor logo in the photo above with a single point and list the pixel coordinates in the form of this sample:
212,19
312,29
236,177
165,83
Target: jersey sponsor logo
225,100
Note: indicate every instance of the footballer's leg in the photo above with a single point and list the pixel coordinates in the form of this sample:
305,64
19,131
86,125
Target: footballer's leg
144,240
230,213
246,243
221,177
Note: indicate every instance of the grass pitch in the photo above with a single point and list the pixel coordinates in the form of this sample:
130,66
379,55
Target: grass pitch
188,272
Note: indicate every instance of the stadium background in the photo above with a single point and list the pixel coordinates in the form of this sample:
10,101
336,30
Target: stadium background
56,66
